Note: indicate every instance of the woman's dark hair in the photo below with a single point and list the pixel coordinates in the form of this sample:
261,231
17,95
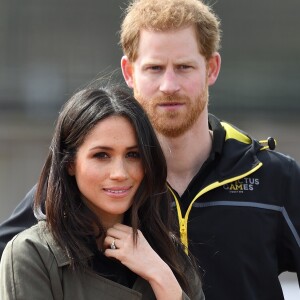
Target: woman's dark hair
71,222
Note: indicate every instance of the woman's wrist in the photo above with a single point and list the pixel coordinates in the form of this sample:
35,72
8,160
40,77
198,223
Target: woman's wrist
165,284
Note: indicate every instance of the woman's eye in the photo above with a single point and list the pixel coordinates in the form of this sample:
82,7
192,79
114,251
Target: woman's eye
133,154
101,155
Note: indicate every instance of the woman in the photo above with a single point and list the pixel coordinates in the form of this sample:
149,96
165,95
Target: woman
107,234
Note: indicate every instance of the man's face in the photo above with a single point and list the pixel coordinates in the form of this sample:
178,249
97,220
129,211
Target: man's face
169,78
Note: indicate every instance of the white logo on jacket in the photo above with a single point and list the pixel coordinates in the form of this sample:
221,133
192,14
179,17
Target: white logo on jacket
242,185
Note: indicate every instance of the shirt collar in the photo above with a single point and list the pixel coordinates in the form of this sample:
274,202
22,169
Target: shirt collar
61,256
218,136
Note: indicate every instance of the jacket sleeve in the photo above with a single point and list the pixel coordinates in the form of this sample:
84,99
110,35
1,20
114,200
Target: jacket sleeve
289,248
24,271
193,279
196,287
21,218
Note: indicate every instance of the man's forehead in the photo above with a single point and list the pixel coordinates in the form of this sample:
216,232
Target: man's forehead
161,46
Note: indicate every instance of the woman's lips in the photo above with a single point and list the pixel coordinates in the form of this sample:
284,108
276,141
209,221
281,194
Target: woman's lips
117,191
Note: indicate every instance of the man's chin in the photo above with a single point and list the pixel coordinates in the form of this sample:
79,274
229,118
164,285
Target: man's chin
170,132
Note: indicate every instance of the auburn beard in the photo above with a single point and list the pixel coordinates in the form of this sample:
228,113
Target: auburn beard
173,123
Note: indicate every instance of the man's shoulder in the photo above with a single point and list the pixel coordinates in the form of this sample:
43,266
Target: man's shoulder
275,159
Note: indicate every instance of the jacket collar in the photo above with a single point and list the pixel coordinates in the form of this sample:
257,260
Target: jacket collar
61,256
219,135
239,150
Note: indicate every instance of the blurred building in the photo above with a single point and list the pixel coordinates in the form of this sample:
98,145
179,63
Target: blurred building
49,49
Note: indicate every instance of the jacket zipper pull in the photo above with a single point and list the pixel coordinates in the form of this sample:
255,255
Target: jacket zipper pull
183,234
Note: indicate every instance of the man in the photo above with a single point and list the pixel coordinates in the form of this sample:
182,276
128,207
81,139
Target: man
238,203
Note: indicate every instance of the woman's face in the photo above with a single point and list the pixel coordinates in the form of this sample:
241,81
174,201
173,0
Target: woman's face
108,169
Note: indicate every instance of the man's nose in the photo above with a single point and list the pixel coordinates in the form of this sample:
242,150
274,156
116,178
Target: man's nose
169,84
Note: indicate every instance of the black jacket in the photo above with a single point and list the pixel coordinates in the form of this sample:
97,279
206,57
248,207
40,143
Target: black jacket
240,216
21,218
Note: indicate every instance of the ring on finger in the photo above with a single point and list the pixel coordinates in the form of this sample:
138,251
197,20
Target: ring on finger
113,245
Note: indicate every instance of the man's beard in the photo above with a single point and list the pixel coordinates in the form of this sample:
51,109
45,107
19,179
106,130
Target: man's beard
173,123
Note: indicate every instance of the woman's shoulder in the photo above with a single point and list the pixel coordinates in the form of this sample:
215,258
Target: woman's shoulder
32,235
32,242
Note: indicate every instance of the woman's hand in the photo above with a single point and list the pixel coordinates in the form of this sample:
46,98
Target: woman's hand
142,260
139,258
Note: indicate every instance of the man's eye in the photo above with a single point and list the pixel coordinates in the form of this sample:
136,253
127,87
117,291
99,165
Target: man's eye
184,67
133,154
155,68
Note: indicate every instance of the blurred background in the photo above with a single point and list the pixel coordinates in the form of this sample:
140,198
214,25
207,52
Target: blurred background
49,49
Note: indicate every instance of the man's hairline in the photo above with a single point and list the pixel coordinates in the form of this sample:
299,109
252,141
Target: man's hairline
169,30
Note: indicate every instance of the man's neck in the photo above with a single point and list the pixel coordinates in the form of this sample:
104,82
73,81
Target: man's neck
186,154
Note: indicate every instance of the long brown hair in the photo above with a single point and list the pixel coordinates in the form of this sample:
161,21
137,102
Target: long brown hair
71,222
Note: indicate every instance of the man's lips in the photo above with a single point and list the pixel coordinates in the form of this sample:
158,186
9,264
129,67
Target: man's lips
170,104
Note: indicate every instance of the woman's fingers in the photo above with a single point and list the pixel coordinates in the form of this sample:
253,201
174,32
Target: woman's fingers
119,243
119,230
111,243
140,258
118,236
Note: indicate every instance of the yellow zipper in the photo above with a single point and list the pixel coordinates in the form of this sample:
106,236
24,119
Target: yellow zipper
183,220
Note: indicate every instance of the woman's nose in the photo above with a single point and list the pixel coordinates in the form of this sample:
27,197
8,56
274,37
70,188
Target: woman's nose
118,170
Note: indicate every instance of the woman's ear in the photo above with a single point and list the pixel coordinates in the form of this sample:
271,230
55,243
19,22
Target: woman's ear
71,169
213,68
127,71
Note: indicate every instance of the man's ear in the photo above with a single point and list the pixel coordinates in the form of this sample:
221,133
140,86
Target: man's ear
127,70
71,169
213,68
